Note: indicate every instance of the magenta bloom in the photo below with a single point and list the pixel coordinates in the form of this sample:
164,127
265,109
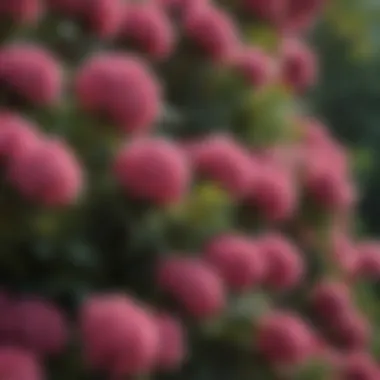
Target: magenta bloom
172,342
49,174
17,136
237,259
154,170
19,364
214,33
285,268
284,338
120,88
31,73
118,335
40,326
193,284
299,68
147,28
222,160
100,17
21,11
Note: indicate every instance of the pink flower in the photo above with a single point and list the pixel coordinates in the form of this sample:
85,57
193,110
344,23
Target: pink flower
326,181
119,336
48,174
17,136
350,331
19,364
237,260
31,73
273,192
220,159
100,17
153,169
344,252
21,11
172,342
300,14
193,284
149,29
358,365
213,32
256,67
284,265
284,338
182,8
330,299
367,263
40,326
121,88
272,11
298,65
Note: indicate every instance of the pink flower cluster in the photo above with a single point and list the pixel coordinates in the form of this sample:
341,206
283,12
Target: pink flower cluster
42,169
123,337
120,334
31,329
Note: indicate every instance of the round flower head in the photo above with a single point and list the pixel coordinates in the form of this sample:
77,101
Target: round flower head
30,74
153,169
21,11
120,88
272,11
298,65
48,174
237,260
273,192
284,338
17,136
350,331
193,284
40,326
99,17
300,14
19,364
181,8
325,182
147,28
222,160
284,265
330,299
367,263
358,365
256,67
172,344
119,336
213,32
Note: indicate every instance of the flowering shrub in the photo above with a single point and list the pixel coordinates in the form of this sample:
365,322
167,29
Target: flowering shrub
168,212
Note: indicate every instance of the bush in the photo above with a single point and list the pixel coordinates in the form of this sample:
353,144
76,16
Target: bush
170,208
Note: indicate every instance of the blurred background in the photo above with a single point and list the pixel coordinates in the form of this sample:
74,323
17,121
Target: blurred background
347,95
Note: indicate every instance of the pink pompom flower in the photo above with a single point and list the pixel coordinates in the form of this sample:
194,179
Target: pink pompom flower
193,284
49,174
214,33
284,338
237,260
120,88
31,73
153,169
147,28
119,336
285,267
40,326
19,364
172,349
21,11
